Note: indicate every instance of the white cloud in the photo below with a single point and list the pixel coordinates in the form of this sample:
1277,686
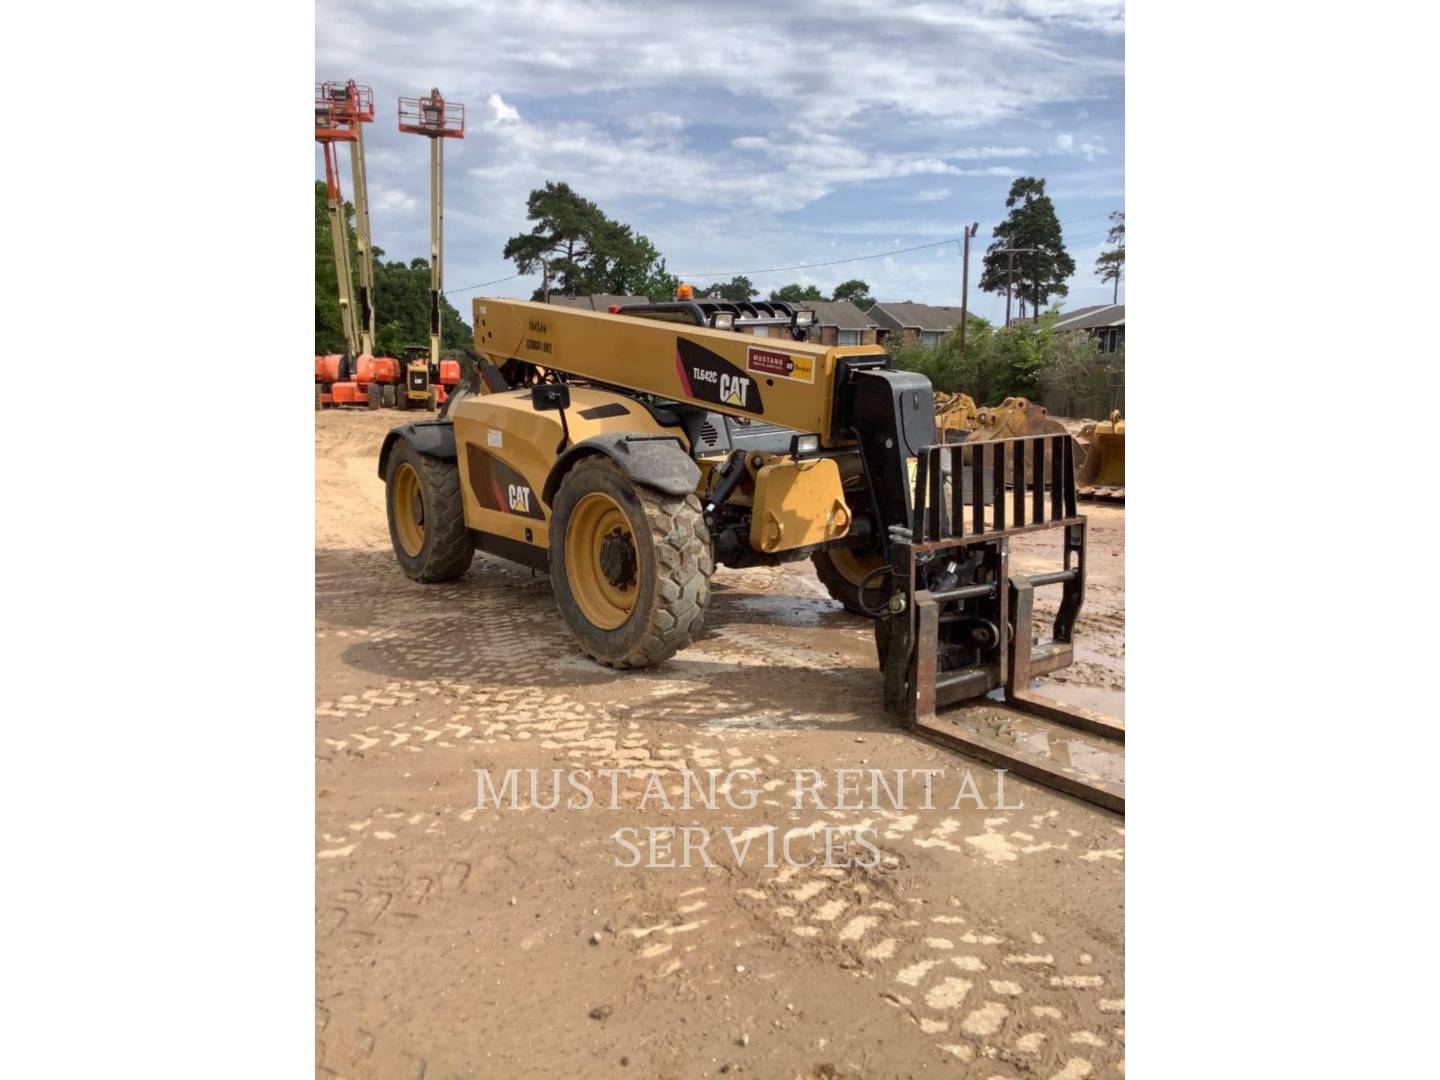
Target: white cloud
656,123
501,112
981,153
1089,149
726,149
859,59
393,200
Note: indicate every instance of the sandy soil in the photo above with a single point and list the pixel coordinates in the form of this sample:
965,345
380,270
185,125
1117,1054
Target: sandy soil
458,941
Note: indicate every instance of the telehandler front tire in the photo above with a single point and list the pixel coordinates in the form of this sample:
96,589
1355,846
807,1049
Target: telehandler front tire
629,565
842,571
427,517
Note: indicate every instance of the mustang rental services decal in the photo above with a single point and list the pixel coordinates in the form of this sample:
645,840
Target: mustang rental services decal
770,362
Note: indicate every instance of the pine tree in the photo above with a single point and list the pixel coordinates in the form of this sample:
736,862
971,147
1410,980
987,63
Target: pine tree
586,252
1110,266
1041,271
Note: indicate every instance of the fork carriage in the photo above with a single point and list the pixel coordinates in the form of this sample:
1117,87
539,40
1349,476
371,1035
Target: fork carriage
959,624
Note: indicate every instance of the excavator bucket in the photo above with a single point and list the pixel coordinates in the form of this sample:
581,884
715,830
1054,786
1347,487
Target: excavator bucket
959,420
1016,417
1013,417
955,416
1102,464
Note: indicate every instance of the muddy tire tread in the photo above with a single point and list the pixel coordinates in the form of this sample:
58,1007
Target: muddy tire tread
683,568
449,548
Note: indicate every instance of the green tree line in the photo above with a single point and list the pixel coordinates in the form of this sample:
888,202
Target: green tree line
740,288
402,295
1010,361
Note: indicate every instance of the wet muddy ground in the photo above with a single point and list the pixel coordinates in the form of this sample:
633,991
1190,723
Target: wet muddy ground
983,938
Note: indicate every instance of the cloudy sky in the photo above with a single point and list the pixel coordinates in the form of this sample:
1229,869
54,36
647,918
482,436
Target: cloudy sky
743,136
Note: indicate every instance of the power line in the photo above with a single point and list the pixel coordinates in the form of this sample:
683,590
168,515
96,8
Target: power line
1088,217
482,284
782,269
811,266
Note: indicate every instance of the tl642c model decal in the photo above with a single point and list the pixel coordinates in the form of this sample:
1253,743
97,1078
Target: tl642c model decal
706,376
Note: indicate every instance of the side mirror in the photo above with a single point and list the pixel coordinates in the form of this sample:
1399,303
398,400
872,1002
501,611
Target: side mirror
547,397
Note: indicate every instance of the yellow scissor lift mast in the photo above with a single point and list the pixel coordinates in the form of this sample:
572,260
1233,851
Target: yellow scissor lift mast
436,119
340,111
365,307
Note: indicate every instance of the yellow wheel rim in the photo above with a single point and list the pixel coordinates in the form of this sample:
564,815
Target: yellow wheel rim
855,567
408,509
601,561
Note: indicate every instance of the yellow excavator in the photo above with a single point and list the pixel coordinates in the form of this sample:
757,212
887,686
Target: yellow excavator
630,453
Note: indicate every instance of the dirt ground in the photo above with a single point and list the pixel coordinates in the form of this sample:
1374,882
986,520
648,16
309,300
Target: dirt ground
458,941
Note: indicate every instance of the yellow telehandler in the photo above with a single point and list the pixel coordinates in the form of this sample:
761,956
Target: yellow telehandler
640,448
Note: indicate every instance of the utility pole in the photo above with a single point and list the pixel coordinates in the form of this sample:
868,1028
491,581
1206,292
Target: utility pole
965,284
1010,275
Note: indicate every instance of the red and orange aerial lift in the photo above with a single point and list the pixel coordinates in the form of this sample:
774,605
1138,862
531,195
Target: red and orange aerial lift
355,377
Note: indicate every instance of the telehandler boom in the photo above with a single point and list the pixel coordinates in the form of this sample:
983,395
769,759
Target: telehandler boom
638,449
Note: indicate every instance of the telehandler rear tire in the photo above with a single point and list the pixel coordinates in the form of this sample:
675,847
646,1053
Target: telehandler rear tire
629,565
427,517
842,571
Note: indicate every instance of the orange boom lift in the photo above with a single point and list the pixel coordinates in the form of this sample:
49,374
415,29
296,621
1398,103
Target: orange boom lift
354,377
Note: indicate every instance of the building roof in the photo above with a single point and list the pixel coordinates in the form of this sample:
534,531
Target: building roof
838,313
598,302
1091,318
911,316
